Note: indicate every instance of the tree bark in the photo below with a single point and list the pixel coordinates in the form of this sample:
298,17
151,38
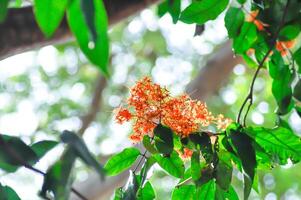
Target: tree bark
20,32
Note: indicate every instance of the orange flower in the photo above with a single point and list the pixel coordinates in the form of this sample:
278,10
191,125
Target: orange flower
259,24
186,154
152,104
284,46
222,123
122,115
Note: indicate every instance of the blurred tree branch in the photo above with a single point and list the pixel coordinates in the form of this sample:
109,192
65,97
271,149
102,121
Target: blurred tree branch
20,32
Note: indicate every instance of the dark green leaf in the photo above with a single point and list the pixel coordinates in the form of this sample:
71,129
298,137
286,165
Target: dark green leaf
297,91
207,191
221,194
162,8
7,193
242,144
246,38
279,142
3,10
202,11
185,192
163,139
42,147
14,153
234,19
97,52
121,161
81,150
57,179
88,10
147,192
195,165
202,140
49,14
241,1
172,164
118,194
148,145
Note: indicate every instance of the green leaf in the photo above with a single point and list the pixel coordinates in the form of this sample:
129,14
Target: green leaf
280,142
246,38
7,193
185,192
81,151
234,19
163,139
241,1
121,161
224,171
195,166
277,66
42,147
289,32
57,178
162,8
49,14
202,11
88,10
207,191
242,144
148,145
297,58
147,192
118,194
97,52
3,10
174,8
297,91
221,194
147,165
172,164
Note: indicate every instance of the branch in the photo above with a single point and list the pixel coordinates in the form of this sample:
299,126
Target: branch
20,32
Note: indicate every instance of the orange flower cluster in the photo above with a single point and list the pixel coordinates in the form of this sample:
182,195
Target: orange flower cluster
151,104
284,46
259,24
186,154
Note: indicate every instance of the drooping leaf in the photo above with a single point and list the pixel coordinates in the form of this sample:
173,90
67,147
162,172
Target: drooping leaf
163,139
162,8
195,165
224,171
246,38
147,192
242,145
174,8
88,10
234,19
206,191
172,164
185,192
121,161
97,52
49,14
202,140
297,91
7,193
297,58
15,153
202,11
57,179
131,188
42,147
3,10
82,151
280,142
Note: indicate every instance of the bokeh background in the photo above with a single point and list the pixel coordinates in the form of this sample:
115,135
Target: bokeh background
48,90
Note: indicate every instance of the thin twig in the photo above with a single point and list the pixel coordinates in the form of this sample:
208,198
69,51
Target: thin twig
251,91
